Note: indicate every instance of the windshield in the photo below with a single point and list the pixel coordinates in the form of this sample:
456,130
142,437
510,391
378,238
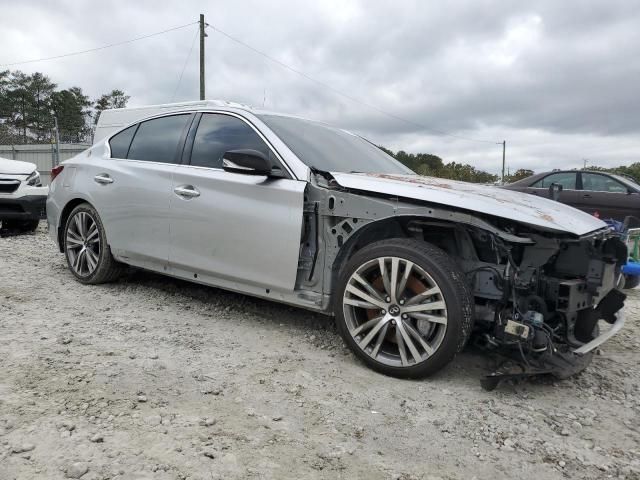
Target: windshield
331,149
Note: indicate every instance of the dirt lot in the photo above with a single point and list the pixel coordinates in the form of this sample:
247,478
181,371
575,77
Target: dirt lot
153,378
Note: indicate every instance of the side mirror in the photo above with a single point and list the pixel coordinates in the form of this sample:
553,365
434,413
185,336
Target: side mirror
555,189
249,162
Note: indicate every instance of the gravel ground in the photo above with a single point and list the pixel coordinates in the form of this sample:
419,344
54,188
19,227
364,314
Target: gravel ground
154,378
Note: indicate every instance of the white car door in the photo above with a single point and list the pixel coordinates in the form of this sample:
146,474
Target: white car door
132,189
233,227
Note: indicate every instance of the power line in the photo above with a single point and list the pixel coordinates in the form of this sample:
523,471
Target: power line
98,48
345,95
186,60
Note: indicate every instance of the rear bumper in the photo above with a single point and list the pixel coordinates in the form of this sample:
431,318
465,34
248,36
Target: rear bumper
603,337
28,207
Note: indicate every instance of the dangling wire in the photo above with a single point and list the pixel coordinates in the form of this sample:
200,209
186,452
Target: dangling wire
193,42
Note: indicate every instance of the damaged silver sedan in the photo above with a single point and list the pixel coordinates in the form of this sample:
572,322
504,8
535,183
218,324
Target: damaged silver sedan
299,212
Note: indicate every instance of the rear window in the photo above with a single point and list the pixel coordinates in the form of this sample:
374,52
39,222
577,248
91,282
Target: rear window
120,142
157,140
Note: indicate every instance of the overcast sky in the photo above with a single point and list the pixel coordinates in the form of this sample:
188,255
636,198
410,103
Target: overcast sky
558,80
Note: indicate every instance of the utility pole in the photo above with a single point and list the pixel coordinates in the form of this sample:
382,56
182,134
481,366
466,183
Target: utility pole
202,36
585,163
504,147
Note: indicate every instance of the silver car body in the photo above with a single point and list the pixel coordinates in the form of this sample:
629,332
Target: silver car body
285,238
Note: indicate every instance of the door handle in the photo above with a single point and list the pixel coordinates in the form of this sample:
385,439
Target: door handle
186,191
586,195
103,179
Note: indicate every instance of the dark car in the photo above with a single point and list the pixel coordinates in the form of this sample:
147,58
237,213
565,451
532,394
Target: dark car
602,194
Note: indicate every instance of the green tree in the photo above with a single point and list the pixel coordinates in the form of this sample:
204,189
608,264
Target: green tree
113,99
4,104
632,170
423,163
27,101
433,166
71,108
518,175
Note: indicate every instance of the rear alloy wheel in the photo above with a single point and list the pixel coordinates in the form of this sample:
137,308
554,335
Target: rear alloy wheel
85,244
404,307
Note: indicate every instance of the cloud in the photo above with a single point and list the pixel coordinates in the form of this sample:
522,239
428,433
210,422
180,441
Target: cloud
557,80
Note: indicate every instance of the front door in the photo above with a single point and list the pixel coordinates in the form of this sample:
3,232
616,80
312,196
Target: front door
568,181
233,227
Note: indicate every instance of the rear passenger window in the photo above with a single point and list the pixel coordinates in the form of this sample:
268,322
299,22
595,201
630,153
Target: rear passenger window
218,134
157,140
602,183
120,142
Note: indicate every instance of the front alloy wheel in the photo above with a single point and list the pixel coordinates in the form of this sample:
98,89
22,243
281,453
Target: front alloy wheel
405,308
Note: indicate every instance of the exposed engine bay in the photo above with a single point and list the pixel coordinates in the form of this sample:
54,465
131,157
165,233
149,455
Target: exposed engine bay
538,295
537,304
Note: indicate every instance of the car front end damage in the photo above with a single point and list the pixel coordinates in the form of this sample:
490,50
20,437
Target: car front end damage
539,293
540,304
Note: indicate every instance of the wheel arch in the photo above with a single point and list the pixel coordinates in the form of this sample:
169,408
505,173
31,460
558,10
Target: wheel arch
64,215
377,230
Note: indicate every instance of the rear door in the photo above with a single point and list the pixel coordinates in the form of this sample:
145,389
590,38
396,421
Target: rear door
131,190
607,197
568,181
234,227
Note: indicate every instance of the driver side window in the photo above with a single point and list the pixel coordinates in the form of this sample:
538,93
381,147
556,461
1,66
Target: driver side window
218,134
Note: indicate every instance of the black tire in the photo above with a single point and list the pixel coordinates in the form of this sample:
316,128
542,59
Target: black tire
631,281
107,269
29,225
22,226
454,291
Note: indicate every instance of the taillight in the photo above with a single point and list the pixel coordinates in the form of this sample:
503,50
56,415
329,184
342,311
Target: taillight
55,171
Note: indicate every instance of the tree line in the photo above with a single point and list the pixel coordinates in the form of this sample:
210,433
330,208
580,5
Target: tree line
433,166
30,105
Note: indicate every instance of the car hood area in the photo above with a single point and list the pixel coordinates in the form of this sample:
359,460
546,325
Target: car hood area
519,207
15,167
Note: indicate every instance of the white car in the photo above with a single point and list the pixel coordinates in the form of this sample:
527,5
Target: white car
22,196
299,212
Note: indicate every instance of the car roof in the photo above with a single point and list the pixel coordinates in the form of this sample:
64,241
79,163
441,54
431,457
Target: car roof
114,119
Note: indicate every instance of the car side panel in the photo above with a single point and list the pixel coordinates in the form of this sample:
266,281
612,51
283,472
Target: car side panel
134,208
609,204
242,227
568,196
